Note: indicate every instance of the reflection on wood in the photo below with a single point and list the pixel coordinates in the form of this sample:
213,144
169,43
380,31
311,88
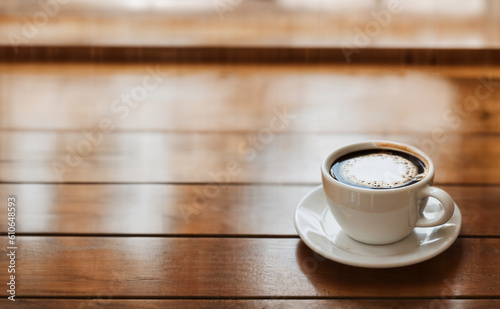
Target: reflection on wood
187,209
135,157
394,99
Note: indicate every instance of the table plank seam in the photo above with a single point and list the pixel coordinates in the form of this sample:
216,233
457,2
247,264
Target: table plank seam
185,183
217,236
235,132
155,235
259,297
6,182
232,132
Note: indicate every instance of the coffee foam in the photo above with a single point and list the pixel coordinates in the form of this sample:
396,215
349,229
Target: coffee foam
380,170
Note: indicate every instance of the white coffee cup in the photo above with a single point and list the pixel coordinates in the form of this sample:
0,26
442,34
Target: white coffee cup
383,216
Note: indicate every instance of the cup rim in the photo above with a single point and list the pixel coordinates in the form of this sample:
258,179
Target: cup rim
376,144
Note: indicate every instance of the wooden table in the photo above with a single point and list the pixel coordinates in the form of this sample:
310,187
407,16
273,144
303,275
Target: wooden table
157,153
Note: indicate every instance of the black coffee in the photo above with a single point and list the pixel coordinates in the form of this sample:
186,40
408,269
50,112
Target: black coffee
378,169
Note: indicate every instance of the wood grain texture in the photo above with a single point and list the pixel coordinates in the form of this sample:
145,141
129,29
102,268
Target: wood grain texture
356,24
215,98
138,157
158,149
226,267
230,304
184,209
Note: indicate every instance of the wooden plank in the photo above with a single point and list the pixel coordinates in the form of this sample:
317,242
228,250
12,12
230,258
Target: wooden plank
153,209
227,267
138,157
292,23
211,98
254,303
185,209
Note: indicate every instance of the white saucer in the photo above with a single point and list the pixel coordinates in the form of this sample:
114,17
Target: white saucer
320,231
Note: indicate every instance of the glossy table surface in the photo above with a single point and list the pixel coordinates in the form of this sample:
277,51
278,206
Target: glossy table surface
149,180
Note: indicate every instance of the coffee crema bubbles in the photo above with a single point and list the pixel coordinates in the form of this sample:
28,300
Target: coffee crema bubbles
378,169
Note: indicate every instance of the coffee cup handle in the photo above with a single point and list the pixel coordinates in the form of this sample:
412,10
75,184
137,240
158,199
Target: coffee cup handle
445,212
